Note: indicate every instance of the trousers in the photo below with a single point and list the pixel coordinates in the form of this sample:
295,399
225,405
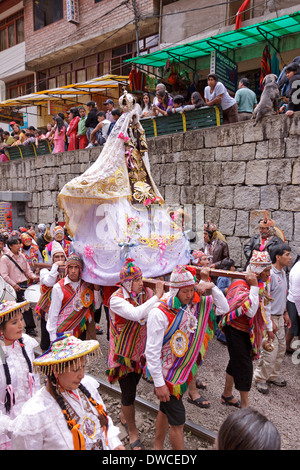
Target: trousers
269,363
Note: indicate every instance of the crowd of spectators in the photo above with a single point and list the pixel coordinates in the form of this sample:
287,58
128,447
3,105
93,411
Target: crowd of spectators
87,126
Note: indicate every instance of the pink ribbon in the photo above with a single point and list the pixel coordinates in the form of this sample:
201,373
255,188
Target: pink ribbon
31,383
162,247
11,393
124,137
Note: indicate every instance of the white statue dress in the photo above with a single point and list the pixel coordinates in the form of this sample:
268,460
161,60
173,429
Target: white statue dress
114,210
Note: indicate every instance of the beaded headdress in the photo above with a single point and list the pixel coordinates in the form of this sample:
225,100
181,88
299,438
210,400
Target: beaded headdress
63,352
8,309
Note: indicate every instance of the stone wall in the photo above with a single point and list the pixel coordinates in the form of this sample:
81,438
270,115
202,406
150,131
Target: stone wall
228,174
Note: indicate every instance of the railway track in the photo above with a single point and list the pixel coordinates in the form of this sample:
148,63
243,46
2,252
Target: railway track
190,426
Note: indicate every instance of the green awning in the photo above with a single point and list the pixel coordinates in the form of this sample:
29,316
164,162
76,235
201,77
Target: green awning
267,30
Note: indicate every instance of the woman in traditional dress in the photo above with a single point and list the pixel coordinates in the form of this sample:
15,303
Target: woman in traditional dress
68,412
17,381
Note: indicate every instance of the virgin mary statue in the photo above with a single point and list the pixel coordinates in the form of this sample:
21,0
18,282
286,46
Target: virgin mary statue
114,209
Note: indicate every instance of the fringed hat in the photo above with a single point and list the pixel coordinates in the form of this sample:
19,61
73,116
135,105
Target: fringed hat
129,273
260,260
63,352
9,308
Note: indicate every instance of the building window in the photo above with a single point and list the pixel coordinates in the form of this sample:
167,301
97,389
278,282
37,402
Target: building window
118,55
21,87
80,70
149,44
12,30
47,12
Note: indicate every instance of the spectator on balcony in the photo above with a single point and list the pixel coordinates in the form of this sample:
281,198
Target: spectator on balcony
109,105
292,72
159,86
83,140
116,115
165,102
19,132
59,135
197,102
8,139
246,100
99,134
178,105
216,94
91,120
73,128
146,106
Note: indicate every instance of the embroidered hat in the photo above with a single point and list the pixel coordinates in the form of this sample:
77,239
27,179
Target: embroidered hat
129,273
56,248
74,259
260,260
196,257
9,308
63,351
180,277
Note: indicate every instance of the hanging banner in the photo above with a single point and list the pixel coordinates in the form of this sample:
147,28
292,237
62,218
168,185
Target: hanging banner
73,11
225,68
6,216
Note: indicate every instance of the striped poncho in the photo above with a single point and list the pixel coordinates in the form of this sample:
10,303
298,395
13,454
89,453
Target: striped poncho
239,303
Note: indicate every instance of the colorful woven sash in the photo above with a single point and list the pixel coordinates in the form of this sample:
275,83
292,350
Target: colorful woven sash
179,371
127,342
72,318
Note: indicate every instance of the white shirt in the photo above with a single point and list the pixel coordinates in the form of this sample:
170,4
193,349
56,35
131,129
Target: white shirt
56,303
42,426
22,385
227,100
49,278
156,328
126,310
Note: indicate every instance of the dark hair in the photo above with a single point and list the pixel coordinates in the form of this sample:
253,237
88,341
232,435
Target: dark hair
164,95
12,241
91,103
197,99
278,250
178,99
101,113
116,112
143,105
292,67
214,76
74,111
61,115
245,82
60,123
227,263
247,429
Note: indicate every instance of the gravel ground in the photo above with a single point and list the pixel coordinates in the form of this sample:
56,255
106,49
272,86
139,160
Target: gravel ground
281,405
